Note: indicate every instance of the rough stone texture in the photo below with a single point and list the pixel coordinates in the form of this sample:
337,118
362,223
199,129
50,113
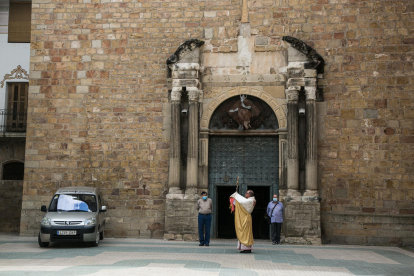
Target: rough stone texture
371,229
11,149
181,219
98,86
302,224
10,205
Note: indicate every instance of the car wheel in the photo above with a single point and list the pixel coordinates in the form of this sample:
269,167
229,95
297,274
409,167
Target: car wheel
97,237
101,235
42,244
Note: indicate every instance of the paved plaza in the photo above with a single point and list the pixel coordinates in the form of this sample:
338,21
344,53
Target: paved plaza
23,256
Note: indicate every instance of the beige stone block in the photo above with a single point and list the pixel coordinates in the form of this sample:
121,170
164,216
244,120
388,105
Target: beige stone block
263,61
275,91
219,60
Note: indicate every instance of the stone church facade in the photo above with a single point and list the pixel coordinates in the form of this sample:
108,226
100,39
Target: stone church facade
156,101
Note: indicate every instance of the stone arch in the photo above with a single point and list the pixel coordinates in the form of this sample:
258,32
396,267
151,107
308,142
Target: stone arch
8,162
243,90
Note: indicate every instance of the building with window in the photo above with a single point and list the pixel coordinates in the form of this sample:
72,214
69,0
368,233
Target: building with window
15,17
156,101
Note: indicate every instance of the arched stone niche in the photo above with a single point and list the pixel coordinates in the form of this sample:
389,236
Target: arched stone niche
258,93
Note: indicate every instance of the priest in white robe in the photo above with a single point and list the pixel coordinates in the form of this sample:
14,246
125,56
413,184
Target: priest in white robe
243,207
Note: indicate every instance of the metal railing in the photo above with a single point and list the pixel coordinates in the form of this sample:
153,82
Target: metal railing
13,120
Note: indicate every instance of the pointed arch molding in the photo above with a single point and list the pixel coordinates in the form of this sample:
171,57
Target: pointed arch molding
18,73
280,114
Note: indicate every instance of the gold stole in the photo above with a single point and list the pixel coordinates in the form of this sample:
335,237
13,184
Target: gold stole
243,224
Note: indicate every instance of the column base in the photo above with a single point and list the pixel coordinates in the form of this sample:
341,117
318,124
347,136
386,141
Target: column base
175,190
191,193
311,196
293,195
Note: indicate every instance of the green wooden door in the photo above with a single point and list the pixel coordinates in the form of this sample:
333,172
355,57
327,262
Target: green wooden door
255,159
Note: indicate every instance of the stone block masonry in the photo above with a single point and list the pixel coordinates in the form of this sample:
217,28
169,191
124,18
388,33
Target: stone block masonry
11,205
99,83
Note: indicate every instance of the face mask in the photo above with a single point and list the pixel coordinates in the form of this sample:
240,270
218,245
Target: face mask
204,197
274,199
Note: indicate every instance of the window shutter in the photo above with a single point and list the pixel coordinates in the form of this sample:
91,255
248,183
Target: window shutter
20,15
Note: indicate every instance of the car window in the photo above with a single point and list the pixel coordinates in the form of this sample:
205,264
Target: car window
73,203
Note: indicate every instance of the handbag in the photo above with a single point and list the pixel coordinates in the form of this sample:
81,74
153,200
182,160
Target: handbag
269,219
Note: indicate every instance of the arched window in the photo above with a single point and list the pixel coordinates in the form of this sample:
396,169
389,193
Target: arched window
13,171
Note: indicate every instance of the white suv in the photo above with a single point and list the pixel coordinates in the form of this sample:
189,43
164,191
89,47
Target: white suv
74,214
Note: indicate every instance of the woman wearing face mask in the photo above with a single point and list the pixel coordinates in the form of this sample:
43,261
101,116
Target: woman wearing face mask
275,212
204,207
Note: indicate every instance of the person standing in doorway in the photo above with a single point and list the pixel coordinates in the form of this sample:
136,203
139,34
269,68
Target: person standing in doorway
275,212
204,207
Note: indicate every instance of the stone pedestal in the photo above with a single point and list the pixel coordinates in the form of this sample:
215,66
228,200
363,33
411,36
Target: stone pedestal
181,218
302,223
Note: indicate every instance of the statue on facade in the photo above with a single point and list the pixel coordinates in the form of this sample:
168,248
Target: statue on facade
243,111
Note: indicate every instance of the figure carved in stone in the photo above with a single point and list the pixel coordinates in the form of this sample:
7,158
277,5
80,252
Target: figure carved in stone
243,111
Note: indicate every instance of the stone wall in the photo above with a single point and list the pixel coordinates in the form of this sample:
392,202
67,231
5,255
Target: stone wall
181,218
10,205
11,149
98,86
302,219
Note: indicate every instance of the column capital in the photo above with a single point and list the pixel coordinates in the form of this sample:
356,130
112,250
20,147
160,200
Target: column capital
292,93
310,92
176,94
193,94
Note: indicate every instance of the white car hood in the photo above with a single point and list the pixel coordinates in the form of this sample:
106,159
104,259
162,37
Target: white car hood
70,216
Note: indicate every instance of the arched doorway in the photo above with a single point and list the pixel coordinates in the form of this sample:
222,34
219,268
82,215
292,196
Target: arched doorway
243,142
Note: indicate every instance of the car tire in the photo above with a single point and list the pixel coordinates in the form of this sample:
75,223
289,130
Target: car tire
42,244
101,235
97,238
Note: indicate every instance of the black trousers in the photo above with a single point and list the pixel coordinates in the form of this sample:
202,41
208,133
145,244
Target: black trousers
276,229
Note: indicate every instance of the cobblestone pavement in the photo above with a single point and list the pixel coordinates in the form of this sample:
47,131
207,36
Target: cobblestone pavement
23,256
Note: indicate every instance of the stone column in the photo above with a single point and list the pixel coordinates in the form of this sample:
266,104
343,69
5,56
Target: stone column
192,156
311,146
175,142
292,94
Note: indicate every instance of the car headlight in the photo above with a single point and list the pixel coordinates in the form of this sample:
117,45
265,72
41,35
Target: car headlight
46,221
90,221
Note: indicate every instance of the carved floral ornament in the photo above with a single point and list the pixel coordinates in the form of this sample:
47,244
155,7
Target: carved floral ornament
18,73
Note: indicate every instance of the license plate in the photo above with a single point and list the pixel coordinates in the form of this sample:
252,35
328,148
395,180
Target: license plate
66,233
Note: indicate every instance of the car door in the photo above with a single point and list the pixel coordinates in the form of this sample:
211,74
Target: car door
101,216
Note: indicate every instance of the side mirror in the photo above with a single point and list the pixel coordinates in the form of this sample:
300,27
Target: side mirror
43,208
103,209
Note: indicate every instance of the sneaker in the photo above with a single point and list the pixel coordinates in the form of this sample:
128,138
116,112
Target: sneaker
201,244
274,243
207,245
246,251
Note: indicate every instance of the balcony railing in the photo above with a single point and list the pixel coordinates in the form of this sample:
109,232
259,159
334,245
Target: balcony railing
12,120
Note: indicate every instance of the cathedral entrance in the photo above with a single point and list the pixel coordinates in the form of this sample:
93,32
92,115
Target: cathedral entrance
255,160
260,224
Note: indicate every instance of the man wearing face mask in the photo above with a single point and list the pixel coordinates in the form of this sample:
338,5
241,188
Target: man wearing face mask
204,207
275,212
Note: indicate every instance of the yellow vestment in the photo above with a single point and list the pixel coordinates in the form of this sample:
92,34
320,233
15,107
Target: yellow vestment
243,224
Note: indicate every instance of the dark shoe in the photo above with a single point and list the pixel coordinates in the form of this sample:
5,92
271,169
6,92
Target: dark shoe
246,251
201,244
274,243
207,245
